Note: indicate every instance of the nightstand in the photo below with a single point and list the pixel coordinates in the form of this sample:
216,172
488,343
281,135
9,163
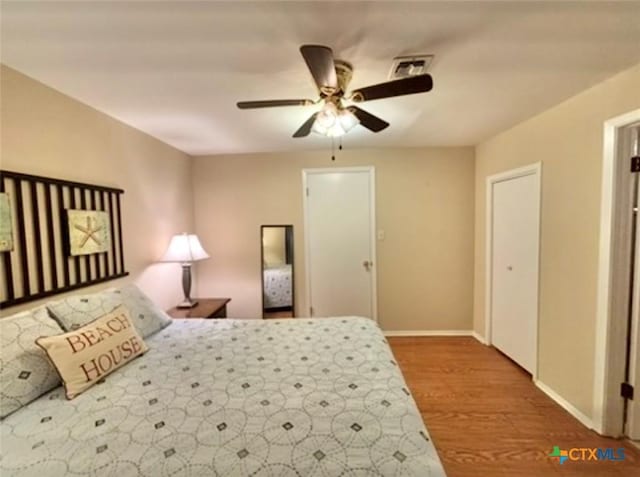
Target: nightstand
206,308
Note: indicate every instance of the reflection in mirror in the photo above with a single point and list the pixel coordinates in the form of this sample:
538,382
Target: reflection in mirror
277,271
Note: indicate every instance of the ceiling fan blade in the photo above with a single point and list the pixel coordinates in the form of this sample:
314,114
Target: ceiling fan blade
273,103
412,85
368,120
319,60
305,129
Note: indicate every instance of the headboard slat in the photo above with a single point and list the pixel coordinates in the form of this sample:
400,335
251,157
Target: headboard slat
21,234
53,262
37,236
74,203
119,232
65,260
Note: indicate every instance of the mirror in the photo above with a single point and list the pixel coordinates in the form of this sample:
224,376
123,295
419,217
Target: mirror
277,271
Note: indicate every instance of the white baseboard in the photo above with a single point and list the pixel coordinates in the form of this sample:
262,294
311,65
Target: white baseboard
479,337
428,333
570,408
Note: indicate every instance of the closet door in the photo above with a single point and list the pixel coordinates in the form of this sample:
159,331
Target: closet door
514,268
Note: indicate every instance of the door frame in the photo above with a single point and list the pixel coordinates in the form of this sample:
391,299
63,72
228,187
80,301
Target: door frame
371,170
610,336
293,268
531,169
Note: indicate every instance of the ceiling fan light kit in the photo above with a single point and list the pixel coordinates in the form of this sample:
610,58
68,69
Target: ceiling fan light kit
334,122
332,78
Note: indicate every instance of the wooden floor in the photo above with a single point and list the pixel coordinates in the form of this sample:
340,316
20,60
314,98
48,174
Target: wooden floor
487,418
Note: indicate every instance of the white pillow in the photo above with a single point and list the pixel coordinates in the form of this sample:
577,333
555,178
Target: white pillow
25,371
145,314
78,310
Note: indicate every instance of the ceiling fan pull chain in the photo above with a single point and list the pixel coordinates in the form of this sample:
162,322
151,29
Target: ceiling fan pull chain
340,146
333,149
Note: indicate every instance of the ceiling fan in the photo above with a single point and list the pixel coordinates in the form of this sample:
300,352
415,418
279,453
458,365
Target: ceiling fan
332,77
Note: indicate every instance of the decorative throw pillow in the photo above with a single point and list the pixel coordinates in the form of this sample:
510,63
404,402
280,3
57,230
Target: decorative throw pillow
84,356
25,371
78,310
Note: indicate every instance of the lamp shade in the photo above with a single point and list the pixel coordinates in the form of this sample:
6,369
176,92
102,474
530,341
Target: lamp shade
184,248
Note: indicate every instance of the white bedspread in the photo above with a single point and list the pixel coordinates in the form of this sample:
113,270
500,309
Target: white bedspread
301,397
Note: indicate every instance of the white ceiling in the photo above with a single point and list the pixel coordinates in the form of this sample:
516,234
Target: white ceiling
176,69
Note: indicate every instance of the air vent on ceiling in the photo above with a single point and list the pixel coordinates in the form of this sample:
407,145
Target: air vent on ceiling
405,66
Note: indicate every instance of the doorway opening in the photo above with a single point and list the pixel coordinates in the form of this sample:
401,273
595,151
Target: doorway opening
617,366
278,277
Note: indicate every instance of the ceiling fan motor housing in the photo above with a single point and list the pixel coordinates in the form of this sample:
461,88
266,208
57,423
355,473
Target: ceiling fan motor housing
344,72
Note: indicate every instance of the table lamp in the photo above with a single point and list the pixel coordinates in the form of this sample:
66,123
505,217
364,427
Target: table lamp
185,249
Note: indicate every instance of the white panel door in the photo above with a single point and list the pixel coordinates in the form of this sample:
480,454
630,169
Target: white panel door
338,228
514,287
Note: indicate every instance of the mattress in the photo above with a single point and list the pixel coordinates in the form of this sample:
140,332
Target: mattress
277,287
302,397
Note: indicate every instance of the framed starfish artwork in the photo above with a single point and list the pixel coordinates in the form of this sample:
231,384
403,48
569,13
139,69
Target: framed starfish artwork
88,232
6,228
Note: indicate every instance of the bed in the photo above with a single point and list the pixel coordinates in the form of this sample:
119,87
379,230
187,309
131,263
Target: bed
303,397
277,287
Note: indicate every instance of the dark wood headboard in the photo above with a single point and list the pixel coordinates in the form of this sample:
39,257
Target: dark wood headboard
40,263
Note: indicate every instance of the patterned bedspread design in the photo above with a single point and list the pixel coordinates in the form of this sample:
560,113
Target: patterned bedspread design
277,287
304,397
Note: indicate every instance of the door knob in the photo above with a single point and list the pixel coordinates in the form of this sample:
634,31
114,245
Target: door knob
509,268
367,265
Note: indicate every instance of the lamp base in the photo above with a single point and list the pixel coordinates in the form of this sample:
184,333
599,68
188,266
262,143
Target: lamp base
186,287
187,303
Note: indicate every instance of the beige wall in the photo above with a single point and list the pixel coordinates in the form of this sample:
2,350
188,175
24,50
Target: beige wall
46,133
567,139
424,204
